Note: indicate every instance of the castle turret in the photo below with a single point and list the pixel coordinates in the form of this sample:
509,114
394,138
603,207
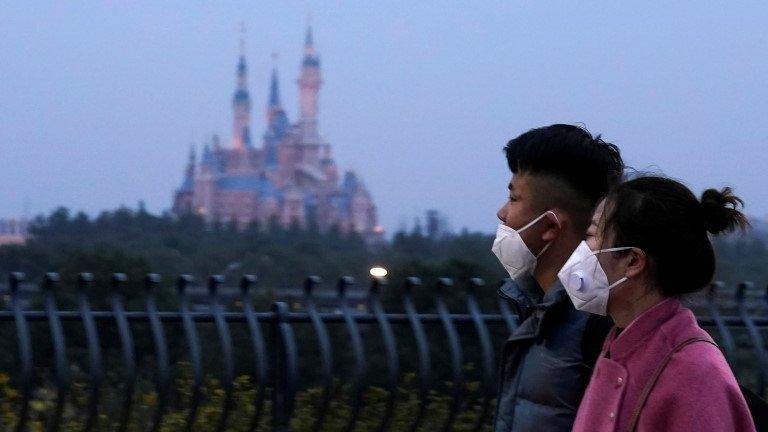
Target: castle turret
309,88
189,176
182,202
273,105
277,122
241,104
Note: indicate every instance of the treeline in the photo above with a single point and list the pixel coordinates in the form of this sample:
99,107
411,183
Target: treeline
137,242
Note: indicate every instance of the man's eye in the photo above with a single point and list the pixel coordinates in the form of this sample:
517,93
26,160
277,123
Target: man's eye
512,199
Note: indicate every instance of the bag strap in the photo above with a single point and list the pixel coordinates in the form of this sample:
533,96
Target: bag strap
655,377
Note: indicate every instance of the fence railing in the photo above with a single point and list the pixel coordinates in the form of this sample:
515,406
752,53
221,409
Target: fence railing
274,349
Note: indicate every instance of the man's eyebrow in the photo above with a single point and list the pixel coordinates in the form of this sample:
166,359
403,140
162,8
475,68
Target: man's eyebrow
510,186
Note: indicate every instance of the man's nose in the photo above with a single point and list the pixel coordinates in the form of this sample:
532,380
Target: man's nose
502,214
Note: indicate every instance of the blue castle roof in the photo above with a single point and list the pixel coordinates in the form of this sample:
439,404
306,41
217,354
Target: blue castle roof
241,96
311,61
258,184
187,185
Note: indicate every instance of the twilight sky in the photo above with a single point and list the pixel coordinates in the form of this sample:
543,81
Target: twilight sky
100,101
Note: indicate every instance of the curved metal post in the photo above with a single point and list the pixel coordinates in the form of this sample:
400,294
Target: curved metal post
286,368
84,281
726,337
457,361
25,348
390,349
193,344
225,343
754,335
60,367
489,371
259,351
324,345
358,374
126,343
422,349
163,383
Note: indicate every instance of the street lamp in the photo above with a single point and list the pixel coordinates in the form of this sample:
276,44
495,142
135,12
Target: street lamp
378,272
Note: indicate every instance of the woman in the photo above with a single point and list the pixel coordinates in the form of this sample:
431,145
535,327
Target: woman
647,245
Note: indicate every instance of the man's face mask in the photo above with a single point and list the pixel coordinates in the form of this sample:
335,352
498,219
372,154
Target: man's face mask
585,280
512,251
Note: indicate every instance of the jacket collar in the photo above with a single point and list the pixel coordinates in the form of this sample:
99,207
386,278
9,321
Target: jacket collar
527,293
523,292
531,303
641,328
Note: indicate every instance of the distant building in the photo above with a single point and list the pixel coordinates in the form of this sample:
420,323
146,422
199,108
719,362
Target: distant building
13,231
290,179
436,224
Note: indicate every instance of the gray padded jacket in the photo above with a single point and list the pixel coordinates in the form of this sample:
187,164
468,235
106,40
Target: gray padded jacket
547,361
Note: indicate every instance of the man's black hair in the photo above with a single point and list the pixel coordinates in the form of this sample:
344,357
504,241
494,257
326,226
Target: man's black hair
587,164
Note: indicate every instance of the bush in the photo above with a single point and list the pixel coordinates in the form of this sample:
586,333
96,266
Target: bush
212,399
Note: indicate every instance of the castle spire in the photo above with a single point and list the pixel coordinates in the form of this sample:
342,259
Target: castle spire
192,155
241,102
189,174
274,87
242,39
308,42
242,69
310,56
309,88
277,121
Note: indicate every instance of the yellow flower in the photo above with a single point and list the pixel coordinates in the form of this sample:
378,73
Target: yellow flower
149,398
37,405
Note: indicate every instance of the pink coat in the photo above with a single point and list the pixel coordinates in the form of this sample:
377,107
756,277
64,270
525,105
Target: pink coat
696,391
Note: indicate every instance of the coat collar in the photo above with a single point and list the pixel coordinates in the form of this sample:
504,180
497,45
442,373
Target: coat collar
523,293
531,303
641,328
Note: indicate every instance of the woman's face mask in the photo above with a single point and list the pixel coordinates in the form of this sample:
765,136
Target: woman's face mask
512,251
585,280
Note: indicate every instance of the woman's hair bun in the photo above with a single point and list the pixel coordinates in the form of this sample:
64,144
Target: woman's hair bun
720,210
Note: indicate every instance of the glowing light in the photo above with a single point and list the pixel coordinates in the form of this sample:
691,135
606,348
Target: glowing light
378,272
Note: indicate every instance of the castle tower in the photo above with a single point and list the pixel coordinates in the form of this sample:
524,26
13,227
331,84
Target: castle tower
277,121
184,195
309,88
273,105
189,175
241,103
203,197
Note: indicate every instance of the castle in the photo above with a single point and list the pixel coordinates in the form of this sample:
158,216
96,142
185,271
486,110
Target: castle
291,179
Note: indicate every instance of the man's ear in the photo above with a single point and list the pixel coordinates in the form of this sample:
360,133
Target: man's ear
638,261
553,222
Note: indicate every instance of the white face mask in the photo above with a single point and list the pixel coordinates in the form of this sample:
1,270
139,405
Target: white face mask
512,251
585,280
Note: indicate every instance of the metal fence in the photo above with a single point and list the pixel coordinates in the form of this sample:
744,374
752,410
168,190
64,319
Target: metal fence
274,347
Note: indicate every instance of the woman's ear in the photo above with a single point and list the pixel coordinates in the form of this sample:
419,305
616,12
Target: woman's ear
638,261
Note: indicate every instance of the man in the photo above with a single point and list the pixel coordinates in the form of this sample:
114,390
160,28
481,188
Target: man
559,173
